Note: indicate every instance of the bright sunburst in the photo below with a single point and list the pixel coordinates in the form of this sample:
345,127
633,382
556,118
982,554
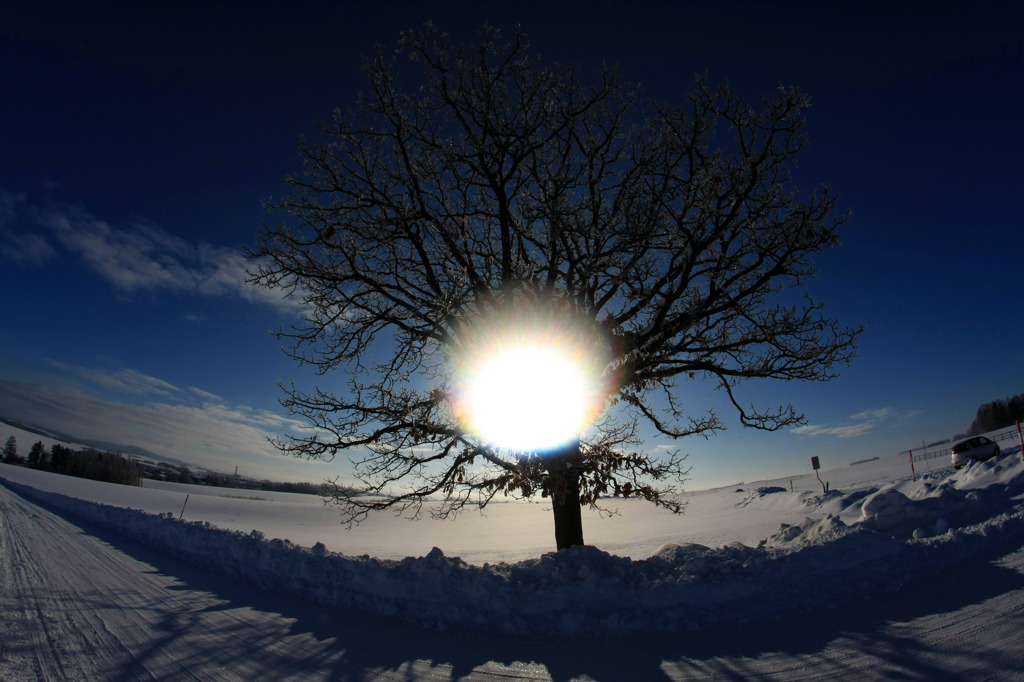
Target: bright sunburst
530,377
528,398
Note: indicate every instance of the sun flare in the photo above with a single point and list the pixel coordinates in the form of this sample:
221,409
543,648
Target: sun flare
530,375
528,398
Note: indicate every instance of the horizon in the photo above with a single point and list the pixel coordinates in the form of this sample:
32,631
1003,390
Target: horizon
924,456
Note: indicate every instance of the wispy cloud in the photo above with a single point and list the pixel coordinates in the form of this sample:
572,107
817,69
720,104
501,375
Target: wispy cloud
860,423
18,245
849,431
124,380
189,424
881,413
132,258
27,249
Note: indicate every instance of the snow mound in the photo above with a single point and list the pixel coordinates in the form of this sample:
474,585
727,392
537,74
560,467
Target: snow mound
932,509
838,502
894,534
809,531
760,493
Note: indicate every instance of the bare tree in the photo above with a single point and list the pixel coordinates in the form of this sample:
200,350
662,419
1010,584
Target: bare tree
487,186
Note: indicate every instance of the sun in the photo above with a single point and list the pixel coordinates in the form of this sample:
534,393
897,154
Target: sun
530,375
528,398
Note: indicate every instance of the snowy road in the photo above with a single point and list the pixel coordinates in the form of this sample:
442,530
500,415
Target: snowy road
80,603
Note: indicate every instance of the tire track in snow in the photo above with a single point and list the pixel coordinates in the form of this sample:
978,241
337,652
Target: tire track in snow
30,623
76,607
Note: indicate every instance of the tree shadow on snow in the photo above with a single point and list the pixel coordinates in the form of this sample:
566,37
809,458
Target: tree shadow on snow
349,645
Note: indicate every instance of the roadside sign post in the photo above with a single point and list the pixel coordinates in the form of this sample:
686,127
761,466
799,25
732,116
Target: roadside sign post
817,465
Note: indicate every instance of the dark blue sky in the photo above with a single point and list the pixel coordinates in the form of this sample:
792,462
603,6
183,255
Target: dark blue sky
137,141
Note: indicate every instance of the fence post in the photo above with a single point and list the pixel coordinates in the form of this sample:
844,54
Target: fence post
913,473
1021,439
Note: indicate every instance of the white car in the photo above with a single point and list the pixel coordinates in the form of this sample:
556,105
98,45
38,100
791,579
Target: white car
978,449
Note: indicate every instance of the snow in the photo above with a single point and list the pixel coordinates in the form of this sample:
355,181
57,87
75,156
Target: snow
747,553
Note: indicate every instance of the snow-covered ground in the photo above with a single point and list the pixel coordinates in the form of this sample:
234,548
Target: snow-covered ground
748,556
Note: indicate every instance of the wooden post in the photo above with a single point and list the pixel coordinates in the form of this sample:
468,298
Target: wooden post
914,473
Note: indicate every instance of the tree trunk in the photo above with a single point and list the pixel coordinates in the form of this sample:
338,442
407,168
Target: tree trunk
565,498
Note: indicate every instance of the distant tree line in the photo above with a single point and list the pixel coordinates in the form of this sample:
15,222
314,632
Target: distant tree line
114,467
219,480
285,487
180,473
163,471
998,414
97,465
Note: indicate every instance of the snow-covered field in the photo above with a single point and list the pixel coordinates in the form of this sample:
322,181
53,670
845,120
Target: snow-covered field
741,557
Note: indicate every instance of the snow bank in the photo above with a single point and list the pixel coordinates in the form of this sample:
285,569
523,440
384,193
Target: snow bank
889,536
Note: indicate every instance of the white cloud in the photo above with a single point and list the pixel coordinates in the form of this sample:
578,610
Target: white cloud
850,431
138,257
204,395
124,380
29,249
880,413
864,422
17,244
135,383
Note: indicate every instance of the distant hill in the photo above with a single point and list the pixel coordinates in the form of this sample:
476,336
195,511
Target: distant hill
98,444
33,429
